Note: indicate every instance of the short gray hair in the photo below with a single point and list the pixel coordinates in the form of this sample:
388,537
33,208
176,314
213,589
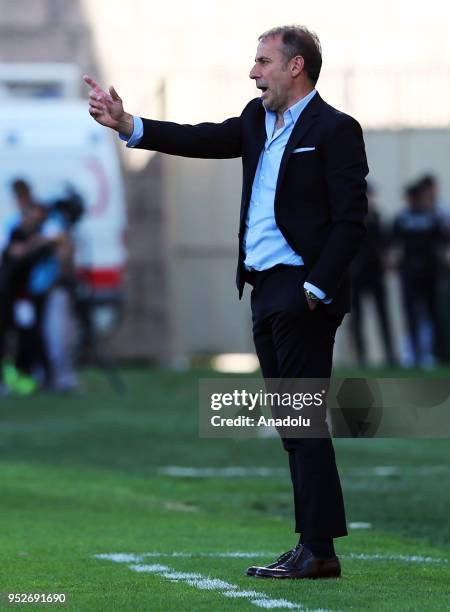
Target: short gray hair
298,40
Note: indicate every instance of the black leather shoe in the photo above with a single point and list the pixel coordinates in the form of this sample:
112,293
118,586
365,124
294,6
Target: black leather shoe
302,564
251,571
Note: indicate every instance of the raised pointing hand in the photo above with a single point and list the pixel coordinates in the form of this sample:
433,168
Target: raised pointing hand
107,109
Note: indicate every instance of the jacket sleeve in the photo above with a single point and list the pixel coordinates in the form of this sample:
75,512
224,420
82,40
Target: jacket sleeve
345,167
205,140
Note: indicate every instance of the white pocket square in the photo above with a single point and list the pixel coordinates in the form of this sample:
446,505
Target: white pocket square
303,149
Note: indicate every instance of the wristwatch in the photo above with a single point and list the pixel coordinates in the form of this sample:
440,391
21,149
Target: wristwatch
311,296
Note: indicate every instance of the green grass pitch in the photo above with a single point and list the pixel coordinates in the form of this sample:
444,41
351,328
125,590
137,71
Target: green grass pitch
87,475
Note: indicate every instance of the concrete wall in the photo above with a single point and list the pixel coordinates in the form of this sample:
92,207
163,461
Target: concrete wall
45,31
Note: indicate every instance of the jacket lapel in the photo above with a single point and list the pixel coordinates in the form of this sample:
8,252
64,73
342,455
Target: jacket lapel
301,128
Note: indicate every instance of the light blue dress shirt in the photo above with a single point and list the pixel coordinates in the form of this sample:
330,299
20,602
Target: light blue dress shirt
265,246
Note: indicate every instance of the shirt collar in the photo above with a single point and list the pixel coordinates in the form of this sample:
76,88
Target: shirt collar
296,109
291,115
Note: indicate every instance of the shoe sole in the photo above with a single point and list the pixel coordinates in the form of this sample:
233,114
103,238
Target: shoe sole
325,575
253,571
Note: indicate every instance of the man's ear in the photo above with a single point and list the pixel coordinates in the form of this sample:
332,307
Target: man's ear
297,65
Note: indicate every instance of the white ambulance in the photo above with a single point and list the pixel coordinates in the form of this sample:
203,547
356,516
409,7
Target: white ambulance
48,138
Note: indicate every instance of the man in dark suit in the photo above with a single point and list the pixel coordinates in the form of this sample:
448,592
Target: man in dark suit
302,220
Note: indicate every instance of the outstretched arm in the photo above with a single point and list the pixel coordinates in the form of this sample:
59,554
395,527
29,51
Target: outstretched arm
204,140
207,140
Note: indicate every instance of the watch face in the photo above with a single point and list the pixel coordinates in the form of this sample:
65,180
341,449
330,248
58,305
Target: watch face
312,296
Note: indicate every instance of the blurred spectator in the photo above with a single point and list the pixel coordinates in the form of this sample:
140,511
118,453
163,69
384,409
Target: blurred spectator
420,235
23,200
434,202
368,279
24,250
36,286
32,350
58,319
8,265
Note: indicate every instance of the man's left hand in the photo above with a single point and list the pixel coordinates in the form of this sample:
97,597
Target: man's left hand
311,303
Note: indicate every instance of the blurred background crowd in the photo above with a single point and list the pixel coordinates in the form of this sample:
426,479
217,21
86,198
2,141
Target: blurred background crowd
44,313
415,246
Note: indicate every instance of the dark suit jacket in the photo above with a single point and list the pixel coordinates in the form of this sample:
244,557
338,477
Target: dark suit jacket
320,199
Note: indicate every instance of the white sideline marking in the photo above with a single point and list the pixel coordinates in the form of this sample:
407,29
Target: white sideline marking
385,471
382,471
235,555
211,584
360,525
125,558
121,557
230,590
246,594
203,582
380,557
227,472
215,584
155,568
181,575
131,558
274,603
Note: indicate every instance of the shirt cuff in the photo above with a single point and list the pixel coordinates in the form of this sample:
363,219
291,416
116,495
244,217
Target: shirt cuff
138,132
318,292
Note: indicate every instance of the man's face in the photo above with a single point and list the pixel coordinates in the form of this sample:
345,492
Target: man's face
271,74
23,199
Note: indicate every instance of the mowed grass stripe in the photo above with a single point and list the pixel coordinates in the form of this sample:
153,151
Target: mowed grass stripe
69,492
53,544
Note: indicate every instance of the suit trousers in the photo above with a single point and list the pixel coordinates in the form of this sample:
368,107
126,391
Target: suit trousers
291,341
